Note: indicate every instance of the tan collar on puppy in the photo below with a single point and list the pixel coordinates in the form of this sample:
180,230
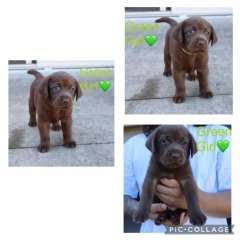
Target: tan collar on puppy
189,53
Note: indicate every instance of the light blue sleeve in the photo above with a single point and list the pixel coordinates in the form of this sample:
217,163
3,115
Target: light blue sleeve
224,168
130,182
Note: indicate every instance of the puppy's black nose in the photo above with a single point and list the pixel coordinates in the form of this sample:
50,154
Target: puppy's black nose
200,43
65,100
175,156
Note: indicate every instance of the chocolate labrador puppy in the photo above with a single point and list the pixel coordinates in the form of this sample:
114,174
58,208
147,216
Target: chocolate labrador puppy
171,147
186,48
51,99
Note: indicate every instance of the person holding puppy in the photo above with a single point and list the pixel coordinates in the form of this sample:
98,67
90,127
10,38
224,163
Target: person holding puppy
211,171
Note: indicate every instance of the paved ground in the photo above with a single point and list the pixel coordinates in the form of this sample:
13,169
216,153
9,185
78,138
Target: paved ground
149,92
93,127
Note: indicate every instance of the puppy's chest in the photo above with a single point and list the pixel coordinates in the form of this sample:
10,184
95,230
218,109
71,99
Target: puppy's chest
171,174
60,115
193,63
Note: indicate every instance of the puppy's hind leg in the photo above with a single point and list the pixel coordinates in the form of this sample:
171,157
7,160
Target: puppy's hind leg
32,112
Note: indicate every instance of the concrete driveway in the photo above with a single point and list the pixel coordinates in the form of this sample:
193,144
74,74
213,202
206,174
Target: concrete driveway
93,125
149,92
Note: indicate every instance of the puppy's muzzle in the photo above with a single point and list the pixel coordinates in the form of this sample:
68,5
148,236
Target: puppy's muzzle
201,43
65,101
175,159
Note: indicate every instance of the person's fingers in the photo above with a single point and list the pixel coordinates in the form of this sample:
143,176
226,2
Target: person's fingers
153,216
183,218
182,215
168,200
158,207
169,182
186,218
168,191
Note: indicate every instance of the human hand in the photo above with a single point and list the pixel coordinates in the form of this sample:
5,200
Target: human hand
170,193
156,208
142,214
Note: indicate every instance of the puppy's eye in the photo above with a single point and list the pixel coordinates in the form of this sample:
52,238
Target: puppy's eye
206,31
56,89
73,88
183,142
163,141
191,31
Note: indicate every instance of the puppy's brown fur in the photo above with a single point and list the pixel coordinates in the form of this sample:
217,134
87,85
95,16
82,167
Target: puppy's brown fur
186,48
51,99
171,147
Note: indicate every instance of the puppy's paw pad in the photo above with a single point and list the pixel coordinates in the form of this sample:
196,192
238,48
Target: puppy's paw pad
198,219
32,124
178,99
43,148
56,127
71,144
207,94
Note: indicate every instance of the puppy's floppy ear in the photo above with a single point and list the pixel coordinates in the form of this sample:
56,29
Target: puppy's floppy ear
43,89
213,36
151,142
178,33
78,91
192,148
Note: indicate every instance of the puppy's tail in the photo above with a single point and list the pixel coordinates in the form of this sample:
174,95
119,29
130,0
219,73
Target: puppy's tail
35,73
168,20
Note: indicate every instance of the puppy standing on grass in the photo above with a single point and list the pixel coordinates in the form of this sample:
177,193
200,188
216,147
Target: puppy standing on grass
171,148
186,48
51,99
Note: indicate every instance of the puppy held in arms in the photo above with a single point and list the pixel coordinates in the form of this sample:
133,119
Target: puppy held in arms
186,52
51,100
171,147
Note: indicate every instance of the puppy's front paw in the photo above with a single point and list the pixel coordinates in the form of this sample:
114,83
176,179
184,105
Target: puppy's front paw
43,148
178,99
197,218
207,94
70,144
167,73
141,216
32,123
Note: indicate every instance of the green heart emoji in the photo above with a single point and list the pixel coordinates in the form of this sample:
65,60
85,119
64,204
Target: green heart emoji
104,85
150,39
223,145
